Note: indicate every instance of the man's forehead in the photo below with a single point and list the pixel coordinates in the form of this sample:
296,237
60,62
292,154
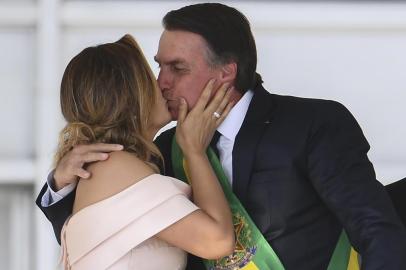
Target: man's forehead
172,51
180,43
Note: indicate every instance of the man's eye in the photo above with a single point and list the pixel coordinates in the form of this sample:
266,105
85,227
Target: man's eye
177,68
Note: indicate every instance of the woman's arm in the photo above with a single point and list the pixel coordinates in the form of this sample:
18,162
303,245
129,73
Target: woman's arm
208,232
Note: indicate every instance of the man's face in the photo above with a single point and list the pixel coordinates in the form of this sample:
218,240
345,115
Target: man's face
184,70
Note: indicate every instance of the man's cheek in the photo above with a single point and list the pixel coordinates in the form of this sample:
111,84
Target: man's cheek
191,101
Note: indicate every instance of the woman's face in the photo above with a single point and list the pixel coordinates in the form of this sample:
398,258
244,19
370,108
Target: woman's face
160,115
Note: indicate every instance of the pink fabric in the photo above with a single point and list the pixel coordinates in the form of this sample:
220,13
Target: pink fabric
112,233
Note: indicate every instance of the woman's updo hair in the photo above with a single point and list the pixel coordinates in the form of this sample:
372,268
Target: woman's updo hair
107,93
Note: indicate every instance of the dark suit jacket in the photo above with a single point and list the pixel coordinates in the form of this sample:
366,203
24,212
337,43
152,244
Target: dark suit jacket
301,170
397,192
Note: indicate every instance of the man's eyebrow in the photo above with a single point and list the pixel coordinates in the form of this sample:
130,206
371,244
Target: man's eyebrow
171,62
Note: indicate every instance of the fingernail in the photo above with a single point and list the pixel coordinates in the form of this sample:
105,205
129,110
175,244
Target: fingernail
86,175
105,156
119,147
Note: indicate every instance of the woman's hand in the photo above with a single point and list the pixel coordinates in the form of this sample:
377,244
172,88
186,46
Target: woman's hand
211,226
195,129
71,166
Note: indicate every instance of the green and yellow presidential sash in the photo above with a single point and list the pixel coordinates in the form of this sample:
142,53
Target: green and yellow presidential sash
344,256
252,250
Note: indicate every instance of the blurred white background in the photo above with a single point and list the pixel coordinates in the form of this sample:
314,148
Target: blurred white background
350,51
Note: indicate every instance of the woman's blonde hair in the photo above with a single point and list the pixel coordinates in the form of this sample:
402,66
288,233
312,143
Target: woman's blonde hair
107,93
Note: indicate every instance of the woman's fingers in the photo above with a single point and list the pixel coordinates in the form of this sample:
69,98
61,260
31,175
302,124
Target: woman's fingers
97,147
195,128
204,97
224,101
212,107
224,113
217,99
82,173
207,108
92,157
182,110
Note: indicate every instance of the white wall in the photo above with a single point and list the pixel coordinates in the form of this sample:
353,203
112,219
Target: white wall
353,53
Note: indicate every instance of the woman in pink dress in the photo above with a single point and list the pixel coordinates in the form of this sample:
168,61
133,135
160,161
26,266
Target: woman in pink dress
127,215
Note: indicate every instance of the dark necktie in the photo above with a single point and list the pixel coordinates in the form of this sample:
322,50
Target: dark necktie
213,143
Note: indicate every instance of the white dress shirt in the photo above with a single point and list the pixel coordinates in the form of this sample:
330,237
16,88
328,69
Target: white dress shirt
50,196
228,130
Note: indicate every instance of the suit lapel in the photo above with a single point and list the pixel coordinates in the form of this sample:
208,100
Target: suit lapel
247,139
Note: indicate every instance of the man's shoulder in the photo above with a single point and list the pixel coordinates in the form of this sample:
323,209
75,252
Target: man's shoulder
304,101
313,112
297,103
304,105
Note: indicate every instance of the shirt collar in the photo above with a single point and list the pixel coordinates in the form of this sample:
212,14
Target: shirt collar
232,124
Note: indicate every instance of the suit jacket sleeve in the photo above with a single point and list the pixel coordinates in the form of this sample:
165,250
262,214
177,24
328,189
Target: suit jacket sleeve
397,191
58,212
345,180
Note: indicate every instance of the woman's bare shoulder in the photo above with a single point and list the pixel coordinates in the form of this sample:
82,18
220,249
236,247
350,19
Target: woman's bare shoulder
120,165
121,170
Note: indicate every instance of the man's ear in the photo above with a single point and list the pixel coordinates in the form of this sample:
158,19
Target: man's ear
228,72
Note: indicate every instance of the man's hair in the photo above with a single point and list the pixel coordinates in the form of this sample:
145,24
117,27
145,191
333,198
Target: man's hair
228,36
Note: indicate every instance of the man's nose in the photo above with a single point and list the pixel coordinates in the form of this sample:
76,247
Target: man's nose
163,81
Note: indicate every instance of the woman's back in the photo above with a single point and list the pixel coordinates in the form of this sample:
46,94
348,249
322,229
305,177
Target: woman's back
117,214
121,170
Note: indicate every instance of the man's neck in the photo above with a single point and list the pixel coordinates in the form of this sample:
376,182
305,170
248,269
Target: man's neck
235,96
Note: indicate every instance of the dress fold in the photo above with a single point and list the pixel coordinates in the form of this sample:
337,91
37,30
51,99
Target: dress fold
99,235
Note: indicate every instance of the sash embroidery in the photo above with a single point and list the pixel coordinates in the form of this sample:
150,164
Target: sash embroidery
252,250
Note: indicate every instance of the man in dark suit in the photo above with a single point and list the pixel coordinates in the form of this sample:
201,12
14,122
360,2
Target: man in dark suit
298,166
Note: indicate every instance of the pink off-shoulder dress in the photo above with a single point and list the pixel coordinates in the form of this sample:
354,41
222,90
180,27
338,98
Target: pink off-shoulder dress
118,233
